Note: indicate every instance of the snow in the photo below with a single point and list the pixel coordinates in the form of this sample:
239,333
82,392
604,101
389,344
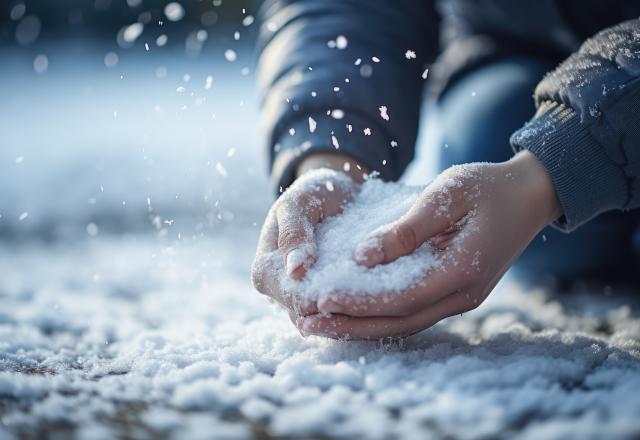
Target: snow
152,329
339,238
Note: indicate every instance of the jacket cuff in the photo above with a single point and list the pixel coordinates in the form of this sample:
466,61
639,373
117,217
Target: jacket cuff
586,180
331,135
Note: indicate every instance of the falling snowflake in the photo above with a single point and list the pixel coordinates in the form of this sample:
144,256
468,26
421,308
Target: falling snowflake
248,20
312,124
341,42
221,169
383,112
410,55
230,55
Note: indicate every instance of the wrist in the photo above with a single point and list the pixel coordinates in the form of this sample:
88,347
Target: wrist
536,183
339,162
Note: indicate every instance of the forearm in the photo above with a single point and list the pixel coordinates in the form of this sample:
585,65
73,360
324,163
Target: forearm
585,128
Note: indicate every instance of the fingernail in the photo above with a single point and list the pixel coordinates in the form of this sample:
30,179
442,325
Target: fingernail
295,258
327,305
368,255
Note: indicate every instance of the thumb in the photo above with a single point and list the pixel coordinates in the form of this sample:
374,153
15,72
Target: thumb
426,218
296,237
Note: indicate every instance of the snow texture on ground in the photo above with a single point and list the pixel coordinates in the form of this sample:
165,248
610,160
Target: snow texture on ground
146,325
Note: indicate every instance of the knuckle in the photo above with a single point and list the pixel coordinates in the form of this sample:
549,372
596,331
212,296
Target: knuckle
289,237
406,237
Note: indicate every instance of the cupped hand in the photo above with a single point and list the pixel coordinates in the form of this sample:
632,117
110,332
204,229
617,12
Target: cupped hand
290,228
478,217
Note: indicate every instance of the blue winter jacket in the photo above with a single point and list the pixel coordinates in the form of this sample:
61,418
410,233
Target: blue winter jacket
357,56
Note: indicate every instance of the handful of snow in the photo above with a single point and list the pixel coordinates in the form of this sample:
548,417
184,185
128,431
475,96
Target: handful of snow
377,204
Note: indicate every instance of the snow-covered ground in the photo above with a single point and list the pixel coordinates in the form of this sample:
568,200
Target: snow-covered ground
126,307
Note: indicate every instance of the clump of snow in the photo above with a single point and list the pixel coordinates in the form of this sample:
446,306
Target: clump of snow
377,204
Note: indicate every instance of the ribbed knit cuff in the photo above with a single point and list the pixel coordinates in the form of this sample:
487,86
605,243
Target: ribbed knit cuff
331,135
586,180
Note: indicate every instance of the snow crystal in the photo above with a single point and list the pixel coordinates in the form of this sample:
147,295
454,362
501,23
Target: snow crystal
230,55
28,30
221,169
208,82
334,141
312,124
367,131
92,229
41,63
132,32
410,55
111,59
366,71
248,20
162,40
341,42
17,11
174,11
383,112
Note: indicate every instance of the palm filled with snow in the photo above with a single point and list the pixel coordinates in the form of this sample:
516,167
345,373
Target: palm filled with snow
132,194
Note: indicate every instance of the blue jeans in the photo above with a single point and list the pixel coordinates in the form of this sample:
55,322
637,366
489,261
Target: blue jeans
477,113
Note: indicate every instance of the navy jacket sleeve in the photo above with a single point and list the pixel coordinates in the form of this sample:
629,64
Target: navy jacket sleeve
319,56
586,130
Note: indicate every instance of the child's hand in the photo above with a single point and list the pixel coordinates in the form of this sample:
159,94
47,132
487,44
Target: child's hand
290,227
480,217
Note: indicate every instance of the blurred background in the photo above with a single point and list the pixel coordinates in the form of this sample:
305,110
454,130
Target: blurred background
122,115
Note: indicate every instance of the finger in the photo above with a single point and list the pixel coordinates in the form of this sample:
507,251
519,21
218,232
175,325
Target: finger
347,327
262,269
431,214
296,233
458,267
266,272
